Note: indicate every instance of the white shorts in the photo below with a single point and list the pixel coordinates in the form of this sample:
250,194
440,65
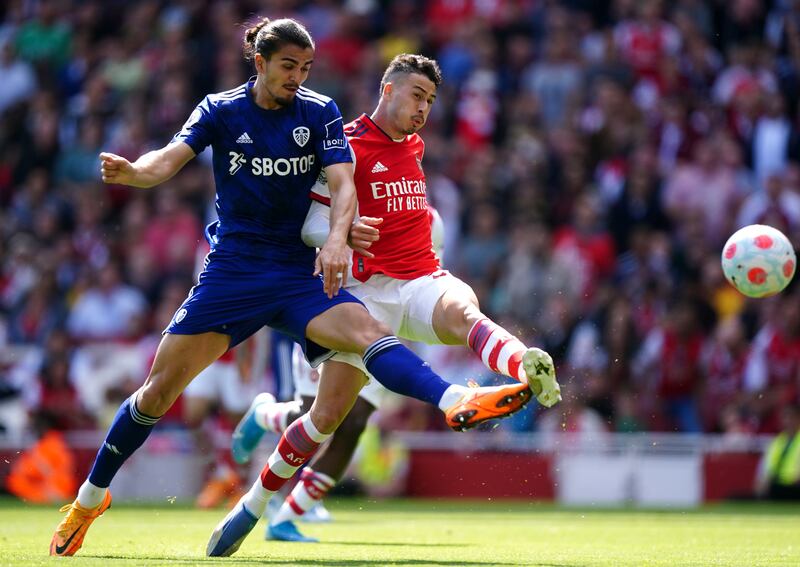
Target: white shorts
222,382
406,307
306,380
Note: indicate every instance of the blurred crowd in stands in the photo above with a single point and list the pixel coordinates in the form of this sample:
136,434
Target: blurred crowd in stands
589,159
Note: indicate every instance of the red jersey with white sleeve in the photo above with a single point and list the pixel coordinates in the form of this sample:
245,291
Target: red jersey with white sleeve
390,184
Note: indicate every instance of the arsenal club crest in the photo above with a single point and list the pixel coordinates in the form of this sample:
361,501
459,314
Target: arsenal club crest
301,134
419,164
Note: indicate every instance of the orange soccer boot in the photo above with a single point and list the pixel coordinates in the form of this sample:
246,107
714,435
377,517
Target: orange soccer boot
69,535
481,404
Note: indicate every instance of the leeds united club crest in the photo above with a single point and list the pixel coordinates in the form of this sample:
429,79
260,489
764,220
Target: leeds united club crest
301,135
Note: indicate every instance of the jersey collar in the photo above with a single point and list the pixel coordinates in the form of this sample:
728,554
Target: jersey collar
382,131
249,90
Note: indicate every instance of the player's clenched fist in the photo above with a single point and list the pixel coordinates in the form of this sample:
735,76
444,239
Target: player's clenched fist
115,169
363,233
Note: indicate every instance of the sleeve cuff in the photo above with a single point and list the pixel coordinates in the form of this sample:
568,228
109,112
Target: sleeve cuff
320,199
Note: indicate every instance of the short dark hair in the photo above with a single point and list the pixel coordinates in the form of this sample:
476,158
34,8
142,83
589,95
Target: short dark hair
408,63
266,37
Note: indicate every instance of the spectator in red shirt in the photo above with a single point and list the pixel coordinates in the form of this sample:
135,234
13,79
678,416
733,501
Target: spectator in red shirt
587,244
771,375
669,365
58,404
723,362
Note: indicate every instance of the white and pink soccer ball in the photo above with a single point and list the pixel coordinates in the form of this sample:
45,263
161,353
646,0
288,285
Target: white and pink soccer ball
758,260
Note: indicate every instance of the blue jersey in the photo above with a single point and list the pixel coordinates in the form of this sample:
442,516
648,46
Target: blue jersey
265,163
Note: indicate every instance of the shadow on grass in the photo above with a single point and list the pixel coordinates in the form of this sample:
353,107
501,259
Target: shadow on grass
317,562
395,544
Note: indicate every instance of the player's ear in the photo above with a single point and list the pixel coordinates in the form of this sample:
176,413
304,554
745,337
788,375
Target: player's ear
387,90
260,63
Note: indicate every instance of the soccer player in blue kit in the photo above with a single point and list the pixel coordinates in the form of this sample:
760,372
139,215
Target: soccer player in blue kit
271,138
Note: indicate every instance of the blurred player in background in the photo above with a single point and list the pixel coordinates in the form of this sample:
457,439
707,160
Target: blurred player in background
214,401
280,356
271,139
397,275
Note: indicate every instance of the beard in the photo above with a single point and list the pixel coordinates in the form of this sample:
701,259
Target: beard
285,100
413,129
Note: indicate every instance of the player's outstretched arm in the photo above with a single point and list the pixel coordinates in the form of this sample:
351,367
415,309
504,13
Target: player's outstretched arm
333,258
150,169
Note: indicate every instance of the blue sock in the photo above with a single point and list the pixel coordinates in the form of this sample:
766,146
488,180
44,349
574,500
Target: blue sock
128,431
402,371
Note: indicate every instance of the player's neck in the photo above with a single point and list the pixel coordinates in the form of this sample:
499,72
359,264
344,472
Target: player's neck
382,121
262,98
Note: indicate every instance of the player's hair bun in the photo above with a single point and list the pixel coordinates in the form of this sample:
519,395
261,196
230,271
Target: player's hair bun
250,36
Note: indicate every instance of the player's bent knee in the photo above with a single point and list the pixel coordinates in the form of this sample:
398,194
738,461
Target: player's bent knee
372,331
155,400
364,330
455,314
326,420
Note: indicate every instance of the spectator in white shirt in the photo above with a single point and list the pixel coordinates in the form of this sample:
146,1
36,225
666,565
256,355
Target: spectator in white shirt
108,309
16,76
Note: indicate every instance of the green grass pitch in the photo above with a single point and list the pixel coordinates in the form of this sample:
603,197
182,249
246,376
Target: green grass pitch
428,533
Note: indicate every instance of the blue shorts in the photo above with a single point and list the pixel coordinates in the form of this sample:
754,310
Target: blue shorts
236,295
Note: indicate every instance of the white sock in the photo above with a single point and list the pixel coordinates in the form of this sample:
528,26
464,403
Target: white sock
256,499
451,396
272,417
498,349
313,486
90,496
287,514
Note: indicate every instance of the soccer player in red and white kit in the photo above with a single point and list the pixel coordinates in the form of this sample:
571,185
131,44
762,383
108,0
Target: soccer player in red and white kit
396,271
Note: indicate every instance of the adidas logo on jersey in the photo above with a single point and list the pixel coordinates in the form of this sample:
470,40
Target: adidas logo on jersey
244,139
379,167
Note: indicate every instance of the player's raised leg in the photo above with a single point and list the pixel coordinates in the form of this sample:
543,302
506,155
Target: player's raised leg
178,360
264,414
349,328
457,319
